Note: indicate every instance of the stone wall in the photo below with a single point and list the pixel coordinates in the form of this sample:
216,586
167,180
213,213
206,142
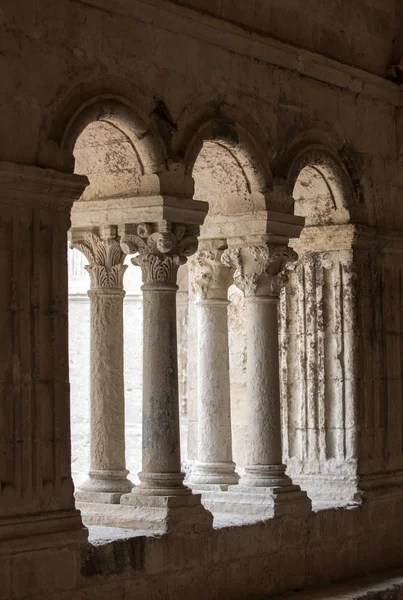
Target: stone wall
183,85
237,560
361,33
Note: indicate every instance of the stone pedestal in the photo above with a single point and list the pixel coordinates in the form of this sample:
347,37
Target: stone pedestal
108,475
259,274
162,500
214,468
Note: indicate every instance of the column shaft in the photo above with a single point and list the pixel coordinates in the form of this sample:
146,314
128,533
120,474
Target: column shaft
263,381
108,461
161,438
214,464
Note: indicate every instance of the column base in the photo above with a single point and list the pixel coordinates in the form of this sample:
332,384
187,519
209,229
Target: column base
213,476
268,476
161,484
265,491
104,487
159,514
259,503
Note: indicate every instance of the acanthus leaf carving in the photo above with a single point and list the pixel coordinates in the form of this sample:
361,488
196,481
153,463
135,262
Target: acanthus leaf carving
105,258
156,269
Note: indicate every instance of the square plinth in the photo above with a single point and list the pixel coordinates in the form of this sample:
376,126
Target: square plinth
98,497
160,514
258,502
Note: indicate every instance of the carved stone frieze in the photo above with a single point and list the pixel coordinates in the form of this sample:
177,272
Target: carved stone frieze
259,270
161,248
104,254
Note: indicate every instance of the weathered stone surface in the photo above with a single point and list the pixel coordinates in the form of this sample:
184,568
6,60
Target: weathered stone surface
270,114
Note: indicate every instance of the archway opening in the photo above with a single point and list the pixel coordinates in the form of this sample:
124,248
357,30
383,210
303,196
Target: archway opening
229,177
105,154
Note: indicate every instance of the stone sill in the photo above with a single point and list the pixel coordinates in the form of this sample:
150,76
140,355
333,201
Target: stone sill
388,586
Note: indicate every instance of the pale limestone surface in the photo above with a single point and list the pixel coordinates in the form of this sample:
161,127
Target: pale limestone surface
79,360
152,99
210,280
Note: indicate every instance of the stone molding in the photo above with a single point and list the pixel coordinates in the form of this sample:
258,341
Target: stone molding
259,270
104,255
27,186
162,247
130,209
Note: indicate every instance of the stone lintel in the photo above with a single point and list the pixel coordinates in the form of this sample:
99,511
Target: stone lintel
328,238
138,209
28,186
254,227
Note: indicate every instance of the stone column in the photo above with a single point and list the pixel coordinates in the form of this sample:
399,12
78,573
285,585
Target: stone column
108,475
259,273
161,249
211,280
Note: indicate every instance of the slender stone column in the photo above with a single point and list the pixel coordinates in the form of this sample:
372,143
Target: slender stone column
161,249
211,280
108,475
260,274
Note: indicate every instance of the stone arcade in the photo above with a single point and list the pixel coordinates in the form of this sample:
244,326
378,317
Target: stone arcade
256,148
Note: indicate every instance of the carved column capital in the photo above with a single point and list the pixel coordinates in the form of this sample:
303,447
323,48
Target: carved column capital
161,248
260,270
210,278
105,257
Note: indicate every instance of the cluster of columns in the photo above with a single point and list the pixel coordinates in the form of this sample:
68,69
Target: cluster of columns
258,270
159,248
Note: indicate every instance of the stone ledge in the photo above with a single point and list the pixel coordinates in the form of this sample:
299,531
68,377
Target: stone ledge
386,587
151,514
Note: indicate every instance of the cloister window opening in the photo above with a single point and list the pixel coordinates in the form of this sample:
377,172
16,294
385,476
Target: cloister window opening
105,155
225,289
79,350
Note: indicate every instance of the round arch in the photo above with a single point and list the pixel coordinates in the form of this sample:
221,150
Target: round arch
228,126
115,112
318,179
113,100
